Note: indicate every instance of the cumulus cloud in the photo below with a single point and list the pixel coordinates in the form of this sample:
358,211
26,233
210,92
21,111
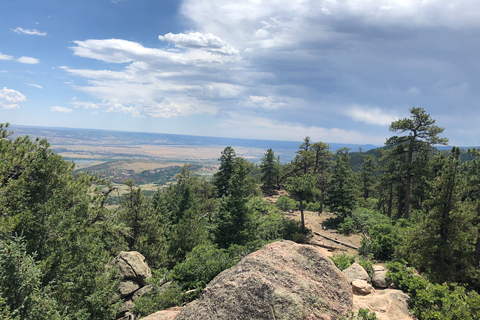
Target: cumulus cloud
28,60
84,105
61,109
197,40
34,32
118,107
10,99
154,82
5,57
260,55
369,115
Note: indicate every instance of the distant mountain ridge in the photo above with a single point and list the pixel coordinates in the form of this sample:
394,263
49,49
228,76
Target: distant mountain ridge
128,137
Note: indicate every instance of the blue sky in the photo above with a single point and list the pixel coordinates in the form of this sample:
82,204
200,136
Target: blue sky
335,70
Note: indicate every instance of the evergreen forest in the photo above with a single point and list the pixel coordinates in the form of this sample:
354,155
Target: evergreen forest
416,207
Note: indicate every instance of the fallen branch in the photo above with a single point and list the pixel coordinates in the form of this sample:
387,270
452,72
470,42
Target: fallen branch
325,246
336,241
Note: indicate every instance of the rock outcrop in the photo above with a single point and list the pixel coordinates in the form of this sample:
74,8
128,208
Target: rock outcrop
283,280
388,304
167,314
134,271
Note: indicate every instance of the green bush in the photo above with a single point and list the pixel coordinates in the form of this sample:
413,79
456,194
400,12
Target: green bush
298,237
348,226
285,203
275,225
312,206
367,264
363,314
343,261
434,301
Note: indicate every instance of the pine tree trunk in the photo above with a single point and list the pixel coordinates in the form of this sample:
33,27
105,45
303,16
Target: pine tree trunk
303,217
476,254
322,198
408,187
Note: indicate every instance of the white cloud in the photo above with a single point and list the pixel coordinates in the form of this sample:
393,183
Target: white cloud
197,40
34,85
10,99
350,54
61,109
265,102
28,60
118,107
266,128
369,115
155,82
5,57
84,105
29,32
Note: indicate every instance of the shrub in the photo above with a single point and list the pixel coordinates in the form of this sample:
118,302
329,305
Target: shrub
285,203
347,226
312,206
367,264
343,261
434,301
275,225
298,237
363,314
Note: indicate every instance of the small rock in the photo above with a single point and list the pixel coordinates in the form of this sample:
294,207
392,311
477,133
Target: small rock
127,316
378,277
361,287
126,306
127,287
356,272
140,292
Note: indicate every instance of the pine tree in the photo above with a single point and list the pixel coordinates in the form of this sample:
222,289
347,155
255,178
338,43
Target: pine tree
269,168
301,186
232,219
222,177
422,133
341,196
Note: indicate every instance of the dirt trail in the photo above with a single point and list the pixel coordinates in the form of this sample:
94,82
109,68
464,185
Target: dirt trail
314,222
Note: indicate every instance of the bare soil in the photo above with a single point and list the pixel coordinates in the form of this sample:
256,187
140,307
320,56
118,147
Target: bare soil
314,222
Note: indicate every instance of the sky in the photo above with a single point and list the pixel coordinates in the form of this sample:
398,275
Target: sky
339,71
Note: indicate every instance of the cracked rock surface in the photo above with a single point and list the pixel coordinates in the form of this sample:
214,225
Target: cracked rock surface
283,281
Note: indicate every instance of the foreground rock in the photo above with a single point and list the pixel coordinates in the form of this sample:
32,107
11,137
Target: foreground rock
388,304
283,281
168,314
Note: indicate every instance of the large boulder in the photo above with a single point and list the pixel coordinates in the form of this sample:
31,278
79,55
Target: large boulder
356,272
388,304
283,281
131,266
